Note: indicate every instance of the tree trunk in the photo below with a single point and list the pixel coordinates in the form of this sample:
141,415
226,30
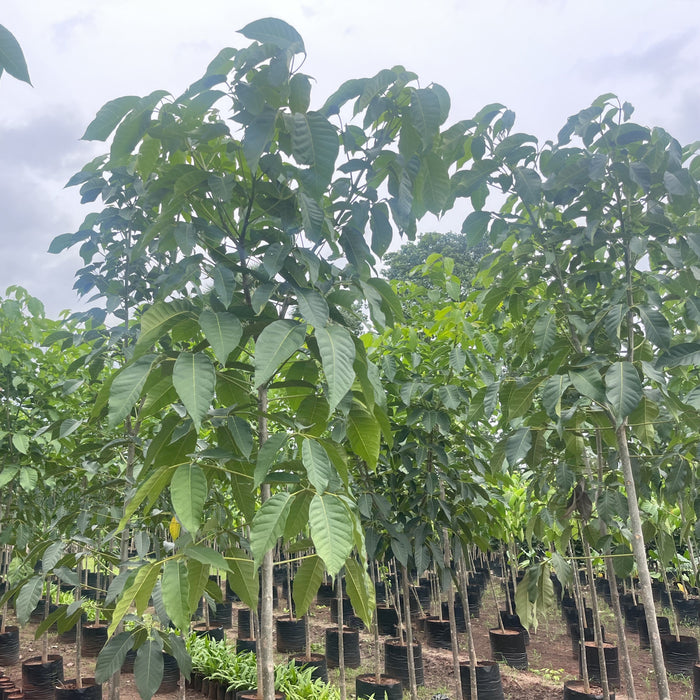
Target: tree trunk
409,634
341,640
640,557
468,622
581,609
78,638
620,628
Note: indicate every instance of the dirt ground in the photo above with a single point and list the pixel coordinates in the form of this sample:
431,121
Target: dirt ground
550,656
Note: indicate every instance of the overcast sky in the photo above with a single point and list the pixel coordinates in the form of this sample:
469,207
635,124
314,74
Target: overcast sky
545,59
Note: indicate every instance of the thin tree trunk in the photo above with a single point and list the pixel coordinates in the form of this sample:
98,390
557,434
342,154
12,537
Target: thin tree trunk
640,557
45,636
674,612
454,641
341,640
581,609
78,637
409,634
375,629
470,637
597,631
266,661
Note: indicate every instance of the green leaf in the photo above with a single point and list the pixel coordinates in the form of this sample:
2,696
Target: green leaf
299,92
159,319
224,284
11,56
242,435
108,118
274,346
424,114
28,598
364,433
519,402
188,491
268,524
552,392
267,455
20,442
681,355
271,30
588,383
623,561
313,307
658,330
518,445
258,135
623,389
194,379
337,351
475,227
315,142
197,578
223,331
176,593
331,528
382,233
319,469
138,593
112,656
528,185
563,569
126,388
360,589
243,578
545,332
178,649
51,556
148,668
206,555
28,477
307,580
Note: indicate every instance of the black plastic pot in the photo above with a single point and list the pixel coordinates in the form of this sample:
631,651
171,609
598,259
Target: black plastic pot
488,680
633,613
696,682
89,691
643,630
129,659
37,614
325,594
437,633
573,690
214,633
39,680
9,646
512,622
460,620
680,656
243,623
688,610
94,639
387,620
171,675
588,636
366,686
221,617
509,646
246,644
351,647
291,634
348,612
396,661
612,663
317,662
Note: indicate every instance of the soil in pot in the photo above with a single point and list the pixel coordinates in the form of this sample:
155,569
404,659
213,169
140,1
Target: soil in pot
94,638
316,662
89,691
488,680
368,686
612,663
573,690
680,656
396,661
39,680
512,622
291,634
588,636
253,695
351,647
9,646
509,646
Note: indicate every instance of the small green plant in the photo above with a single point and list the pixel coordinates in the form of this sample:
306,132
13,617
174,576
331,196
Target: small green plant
554,675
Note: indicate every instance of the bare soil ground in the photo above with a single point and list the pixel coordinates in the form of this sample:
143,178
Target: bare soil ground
550,656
